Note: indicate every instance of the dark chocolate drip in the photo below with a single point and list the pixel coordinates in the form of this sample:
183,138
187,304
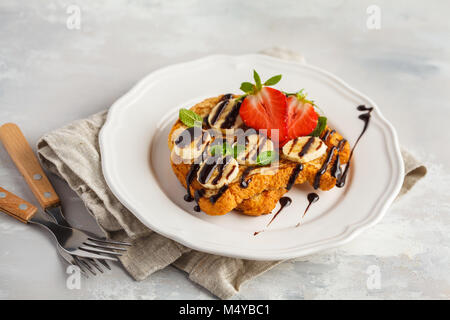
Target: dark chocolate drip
190,176
294,176
292,145
320,144
336,170
197,195
312,197
187,136
221,168
231,117
216,197
284,202
341,144
223,103
306,147
210,165
324,167
231,171
325,135
261,142
244,183
366,118
205,121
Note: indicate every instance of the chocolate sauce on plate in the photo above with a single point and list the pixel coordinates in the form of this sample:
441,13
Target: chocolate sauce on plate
312,197
365,117
284,202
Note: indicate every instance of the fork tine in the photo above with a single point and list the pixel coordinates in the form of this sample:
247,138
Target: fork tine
77,263
104,246
103,262
92,249
92,261
82,263
88,254
111,242
91,270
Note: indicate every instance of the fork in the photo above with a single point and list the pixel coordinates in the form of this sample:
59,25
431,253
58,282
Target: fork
73,241
25,160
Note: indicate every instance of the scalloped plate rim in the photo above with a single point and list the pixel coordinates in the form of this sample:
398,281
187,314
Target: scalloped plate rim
351,231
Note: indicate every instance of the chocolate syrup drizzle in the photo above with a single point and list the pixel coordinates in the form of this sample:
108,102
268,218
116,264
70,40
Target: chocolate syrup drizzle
312,197
213,199
197,195
323,169
211,165
366,118
231,117
244,183
190,176
294,176
183,141
284,202
223,103
306,147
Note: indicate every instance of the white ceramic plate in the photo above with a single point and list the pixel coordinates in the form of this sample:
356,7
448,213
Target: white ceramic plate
135,160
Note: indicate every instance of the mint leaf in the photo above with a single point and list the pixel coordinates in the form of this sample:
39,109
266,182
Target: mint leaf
238,149
273,81
225,149
265,158
190,118
257,80
321,124
247,87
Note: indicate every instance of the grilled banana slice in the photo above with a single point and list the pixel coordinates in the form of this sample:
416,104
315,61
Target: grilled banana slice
189,144
304,149
252,146
225,115
217,171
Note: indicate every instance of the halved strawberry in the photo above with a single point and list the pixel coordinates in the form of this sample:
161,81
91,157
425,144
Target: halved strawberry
302,117
264,107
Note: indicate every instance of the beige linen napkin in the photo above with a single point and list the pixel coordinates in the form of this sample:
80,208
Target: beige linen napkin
73,154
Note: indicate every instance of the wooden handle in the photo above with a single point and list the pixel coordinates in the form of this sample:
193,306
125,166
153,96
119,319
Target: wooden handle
27,163
15,206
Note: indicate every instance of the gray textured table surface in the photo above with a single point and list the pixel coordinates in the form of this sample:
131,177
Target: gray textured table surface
52,73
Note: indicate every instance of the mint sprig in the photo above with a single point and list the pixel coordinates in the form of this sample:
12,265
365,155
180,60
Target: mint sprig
190,118
265,158
238,149
250,88
321,124
225,150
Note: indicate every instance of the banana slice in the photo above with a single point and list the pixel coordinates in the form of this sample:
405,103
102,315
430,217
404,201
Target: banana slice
189,144
225,115
217,171
254,145
304,149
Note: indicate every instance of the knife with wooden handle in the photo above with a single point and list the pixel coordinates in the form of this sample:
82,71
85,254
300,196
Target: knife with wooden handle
27,163
15,206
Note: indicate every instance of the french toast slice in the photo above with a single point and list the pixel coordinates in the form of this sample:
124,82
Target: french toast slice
264,190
